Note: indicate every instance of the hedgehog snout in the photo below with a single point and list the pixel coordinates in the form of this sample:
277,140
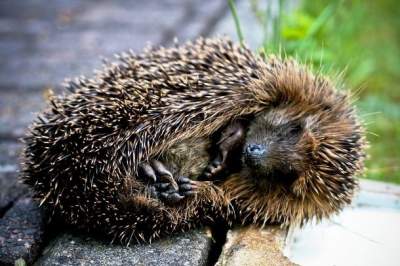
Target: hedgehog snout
255,150
264,162
254,154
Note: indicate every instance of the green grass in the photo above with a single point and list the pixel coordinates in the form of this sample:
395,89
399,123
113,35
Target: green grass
361,38
232,7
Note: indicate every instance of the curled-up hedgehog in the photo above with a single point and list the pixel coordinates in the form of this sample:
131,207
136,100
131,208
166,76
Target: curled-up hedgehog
123,153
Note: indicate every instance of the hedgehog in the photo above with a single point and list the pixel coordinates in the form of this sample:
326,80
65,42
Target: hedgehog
123,153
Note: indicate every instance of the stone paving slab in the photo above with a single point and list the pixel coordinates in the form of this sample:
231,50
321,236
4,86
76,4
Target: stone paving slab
10,187
10,190
365,233
189,249
251,246
44,42
379,187
21,232
9,154
17,111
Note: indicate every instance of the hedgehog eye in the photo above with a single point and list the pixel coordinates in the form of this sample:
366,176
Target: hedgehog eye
295,129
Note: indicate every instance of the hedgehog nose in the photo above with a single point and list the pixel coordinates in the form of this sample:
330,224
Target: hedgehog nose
255,150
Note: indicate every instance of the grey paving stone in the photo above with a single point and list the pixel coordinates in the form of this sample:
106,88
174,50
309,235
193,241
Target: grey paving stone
365,233
199,19
17,111
21,232
9,153
186,249
10,189
250,246
43,42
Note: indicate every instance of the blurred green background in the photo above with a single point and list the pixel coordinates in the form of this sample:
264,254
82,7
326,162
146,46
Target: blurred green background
360,40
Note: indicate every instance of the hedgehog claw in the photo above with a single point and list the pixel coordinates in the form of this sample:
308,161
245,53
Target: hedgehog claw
161,186
171,197
165,192
187,186
155,171
188,193
184,179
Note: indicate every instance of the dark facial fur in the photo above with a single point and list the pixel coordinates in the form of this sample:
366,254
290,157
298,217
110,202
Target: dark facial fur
272,150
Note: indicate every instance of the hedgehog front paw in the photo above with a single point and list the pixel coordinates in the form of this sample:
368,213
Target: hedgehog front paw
231,139
166,193
214,168
162,184
170,195
156,172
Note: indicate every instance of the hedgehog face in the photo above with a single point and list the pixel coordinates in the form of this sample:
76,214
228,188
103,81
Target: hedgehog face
274,148
297,165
